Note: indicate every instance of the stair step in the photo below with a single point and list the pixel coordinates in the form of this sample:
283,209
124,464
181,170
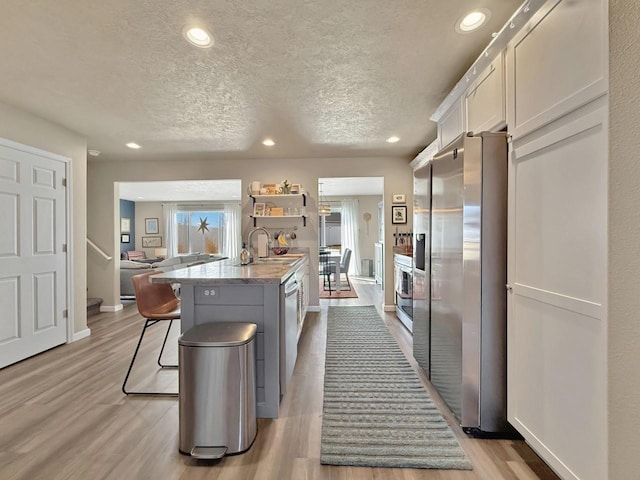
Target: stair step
93,305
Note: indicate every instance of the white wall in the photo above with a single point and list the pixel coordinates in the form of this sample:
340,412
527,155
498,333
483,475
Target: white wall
104,200
28,129
624,241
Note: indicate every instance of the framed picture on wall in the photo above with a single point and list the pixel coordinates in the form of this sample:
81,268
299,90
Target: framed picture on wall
125,225
399,198
399,214
151,242
124,238
258,210
151,225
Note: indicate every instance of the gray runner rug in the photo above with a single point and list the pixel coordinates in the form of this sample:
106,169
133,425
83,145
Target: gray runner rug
376,413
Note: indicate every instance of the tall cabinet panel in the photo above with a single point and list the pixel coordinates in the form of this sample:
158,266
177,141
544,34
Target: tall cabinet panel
558,64
451,124
484,102
557,323
557,314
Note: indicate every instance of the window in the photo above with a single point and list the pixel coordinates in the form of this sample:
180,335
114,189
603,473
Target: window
201,230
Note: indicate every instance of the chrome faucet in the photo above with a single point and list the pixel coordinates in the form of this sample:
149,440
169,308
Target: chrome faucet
266,232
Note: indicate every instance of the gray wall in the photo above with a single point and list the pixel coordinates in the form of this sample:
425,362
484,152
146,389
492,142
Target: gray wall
624,241
104,200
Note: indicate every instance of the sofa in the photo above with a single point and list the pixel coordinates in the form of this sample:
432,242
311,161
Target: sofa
129,268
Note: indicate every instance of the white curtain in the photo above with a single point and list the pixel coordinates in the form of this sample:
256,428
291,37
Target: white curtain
170,213
232,229
349,233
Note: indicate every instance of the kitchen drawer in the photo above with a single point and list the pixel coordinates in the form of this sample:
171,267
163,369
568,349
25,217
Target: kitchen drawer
229,295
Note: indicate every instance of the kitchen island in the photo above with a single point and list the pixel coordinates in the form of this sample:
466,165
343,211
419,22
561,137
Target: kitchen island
230,292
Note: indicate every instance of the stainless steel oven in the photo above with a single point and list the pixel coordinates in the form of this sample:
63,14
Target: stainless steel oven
403,283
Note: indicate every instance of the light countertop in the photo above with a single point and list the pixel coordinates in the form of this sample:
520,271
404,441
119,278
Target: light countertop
274,269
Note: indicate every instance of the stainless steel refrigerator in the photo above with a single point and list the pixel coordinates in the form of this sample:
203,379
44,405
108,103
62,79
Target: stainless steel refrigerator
421,265
466,251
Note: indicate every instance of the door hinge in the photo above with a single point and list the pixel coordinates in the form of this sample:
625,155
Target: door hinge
65,313
64,248
64,182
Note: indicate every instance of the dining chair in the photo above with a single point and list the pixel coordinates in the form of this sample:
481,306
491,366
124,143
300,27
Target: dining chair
156,302
325,270
344,265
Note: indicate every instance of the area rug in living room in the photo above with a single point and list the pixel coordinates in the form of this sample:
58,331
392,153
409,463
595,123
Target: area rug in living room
341,294
376,413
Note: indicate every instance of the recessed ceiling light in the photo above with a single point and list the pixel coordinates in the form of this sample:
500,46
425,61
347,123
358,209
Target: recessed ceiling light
197,36
93,153
473,20
268,142
133,145
393,139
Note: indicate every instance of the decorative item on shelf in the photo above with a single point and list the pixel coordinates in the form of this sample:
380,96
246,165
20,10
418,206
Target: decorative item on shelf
399,198
270,188
259,210
324,209
295,188
277,211
255,188
285,187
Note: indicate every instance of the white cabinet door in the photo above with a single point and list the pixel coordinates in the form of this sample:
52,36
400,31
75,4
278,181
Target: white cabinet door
451,124
557,64
557,324
485,100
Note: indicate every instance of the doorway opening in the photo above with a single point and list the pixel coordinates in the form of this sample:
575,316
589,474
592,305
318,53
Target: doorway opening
353,222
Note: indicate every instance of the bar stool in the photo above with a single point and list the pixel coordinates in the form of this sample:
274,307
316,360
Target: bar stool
156,302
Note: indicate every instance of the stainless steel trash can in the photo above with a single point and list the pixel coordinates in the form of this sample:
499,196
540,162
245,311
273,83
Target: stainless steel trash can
366,267
217,396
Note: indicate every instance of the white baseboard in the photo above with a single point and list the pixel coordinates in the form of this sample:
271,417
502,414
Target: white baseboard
313,308
388,308
111,308
80,335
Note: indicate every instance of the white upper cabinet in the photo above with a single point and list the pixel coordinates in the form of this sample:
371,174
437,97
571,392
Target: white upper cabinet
556,64
484,101
451,124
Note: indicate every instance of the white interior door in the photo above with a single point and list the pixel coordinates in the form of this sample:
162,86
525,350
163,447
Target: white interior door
33,296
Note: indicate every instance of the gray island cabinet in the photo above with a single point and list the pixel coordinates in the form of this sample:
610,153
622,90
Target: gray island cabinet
226,291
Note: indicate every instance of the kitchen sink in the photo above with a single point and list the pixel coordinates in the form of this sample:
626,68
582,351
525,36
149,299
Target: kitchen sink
272,261
276,260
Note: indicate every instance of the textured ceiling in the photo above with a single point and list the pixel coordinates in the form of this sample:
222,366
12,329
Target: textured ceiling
322,78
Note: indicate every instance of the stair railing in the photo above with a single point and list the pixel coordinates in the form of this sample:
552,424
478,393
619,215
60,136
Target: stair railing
98,250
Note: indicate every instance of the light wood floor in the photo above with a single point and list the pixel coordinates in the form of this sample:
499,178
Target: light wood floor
63,416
